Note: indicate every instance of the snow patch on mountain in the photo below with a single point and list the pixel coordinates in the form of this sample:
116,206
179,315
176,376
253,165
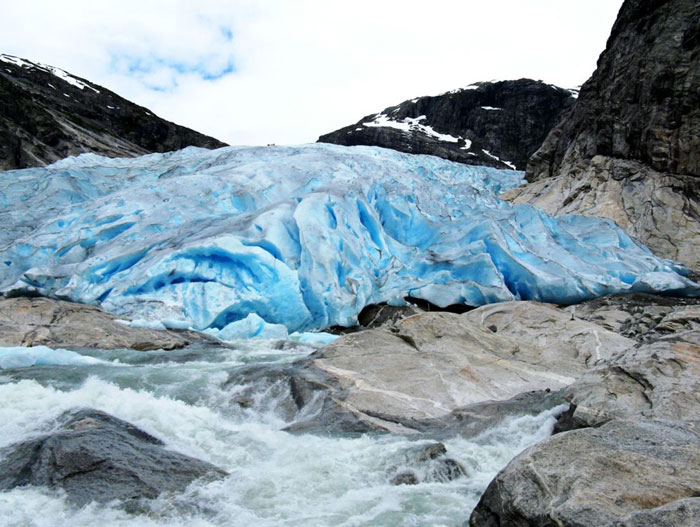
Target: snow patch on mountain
409,124
63,75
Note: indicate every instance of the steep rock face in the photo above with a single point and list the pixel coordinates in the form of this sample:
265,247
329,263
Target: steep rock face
630,148
47,114
497,124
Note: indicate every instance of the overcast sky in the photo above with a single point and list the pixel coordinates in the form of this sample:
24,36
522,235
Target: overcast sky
287,71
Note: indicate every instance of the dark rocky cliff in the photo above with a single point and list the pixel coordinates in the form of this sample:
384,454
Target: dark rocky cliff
643,101
629,150
47,114
496,124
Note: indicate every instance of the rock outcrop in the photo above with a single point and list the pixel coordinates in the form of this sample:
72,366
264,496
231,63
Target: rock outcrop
497,124
93,456
641,316
34,321
433,369
627,452
550,336
657,380
629,150
47,114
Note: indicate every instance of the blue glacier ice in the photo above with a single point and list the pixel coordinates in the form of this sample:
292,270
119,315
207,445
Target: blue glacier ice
301,238
23,357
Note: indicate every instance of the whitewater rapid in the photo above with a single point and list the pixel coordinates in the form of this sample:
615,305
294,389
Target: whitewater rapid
277,478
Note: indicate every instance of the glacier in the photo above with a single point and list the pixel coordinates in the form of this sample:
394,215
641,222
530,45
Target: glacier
24,357
262,240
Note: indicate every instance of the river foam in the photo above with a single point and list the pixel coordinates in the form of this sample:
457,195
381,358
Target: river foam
276,478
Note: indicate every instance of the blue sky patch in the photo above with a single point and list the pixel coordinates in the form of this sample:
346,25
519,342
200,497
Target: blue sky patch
162,74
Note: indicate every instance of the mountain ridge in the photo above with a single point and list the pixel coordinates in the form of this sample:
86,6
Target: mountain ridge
47,114
498,124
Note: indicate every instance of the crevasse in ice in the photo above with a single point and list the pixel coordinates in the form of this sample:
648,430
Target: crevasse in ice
299,237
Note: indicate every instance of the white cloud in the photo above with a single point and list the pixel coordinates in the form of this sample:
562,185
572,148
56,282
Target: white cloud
303,67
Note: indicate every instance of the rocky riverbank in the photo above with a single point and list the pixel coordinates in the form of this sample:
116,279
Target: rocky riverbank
626,366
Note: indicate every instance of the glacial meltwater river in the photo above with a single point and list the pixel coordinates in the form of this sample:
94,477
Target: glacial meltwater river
277,478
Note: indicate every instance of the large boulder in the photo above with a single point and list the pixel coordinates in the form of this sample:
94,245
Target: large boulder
623,473
629,149
26,321
93,456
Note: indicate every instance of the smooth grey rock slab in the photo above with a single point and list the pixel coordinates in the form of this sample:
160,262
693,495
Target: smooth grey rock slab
93,456
427,366
550,336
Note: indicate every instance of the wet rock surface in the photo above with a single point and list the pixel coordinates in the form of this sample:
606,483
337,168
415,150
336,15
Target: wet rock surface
507,119
426,463
625,453
94,456
435,373
33,321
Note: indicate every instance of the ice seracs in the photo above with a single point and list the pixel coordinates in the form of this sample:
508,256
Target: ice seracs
301,238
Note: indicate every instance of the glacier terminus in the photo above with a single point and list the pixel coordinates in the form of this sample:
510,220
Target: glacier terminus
258,241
